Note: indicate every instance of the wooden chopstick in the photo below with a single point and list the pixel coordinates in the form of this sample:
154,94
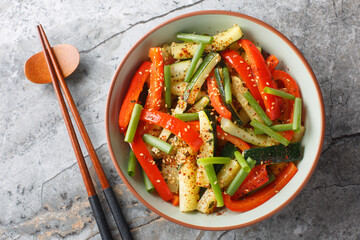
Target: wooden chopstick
93,198
108,192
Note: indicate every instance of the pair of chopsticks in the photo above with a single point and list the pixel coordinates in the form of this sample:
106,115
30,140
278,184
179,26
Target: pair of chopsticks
56,76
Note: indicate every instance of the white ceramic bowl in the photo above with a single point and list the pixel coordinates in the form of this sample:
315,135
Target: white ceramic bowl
270,40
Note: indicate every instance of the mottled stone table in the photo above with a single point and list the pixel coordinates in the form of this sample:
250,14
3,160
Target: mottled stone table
42,194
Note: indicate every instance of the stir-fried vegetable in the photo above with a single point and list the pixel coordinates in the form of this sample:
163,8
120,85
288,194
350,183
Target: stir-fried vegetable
237,135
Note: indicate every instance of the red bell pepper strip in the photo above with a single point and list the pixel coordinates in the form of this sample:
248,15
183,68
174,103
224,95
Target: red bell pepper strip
230,138
175,201
153,100
256,178
285,80
288,82
254,200
174,125
133,93
147,163
272,62
194,125
215,97
273,104
277,168
242,68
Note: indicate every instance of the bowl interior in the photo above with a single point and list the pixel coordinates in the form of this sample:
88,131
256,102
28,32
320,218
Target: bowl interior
269,40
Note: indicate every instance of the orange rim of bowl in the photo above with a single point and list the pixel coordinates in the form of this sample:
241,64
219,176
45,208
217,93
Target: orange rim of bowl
300,56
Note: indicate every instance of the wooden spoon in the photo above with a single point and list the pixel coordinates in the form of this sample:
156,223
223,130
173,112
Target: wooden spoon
67,56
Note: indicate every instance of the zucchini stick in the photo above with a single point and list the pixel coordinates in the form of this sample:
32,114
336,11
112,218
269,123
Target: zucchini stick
246,134
199,105
221,41
188,191
238,89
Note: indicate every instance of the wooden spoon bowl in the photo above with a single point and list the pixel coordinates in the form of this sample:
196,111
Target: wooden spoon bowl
67,56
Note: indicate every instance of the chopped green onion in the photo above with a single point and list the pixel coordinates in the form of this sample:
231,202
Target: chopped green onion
167,80
255,105
213,160
276,128
227,85
255,123
210,172
148,185
189,37
158,143
297,115
244,165
186,117
239,178
194,62
279,93
134,121
131,164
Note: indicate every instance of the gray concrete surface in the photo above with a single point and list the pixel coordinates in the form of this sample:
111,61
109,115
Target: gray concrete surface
42,195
